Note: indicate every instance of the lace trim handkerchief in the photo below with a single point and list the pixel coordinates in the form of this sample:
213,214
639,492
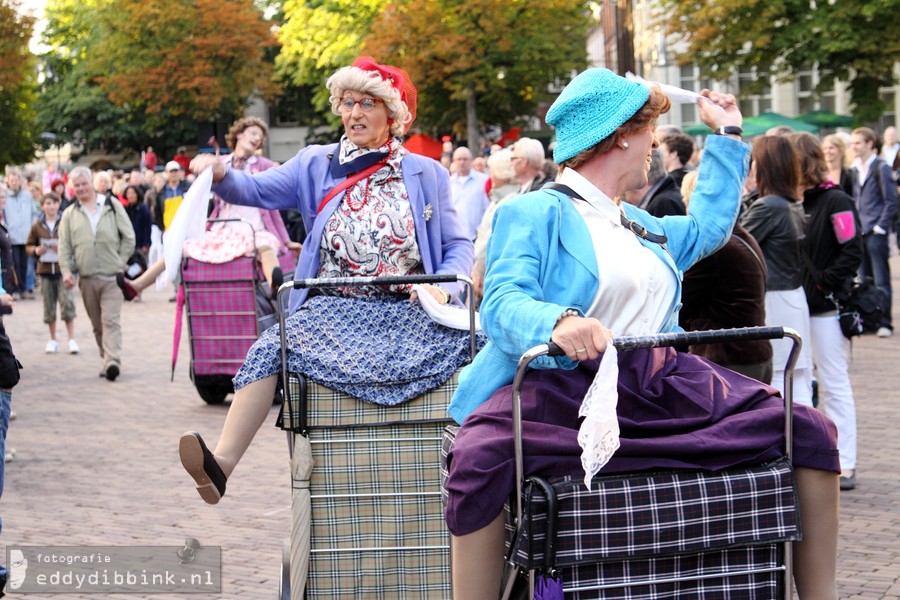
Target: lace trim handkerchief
598,435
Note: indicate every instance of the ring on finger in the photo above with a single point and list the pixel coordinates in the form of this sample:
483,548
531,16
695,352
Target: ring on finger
579,351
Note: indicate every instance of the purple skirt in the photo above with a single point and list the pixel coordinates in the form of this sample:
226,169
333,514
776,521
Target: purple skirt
676,411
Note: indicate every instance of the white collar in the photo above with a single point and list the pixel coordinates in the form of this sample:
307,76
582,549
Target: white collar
591,194
860,163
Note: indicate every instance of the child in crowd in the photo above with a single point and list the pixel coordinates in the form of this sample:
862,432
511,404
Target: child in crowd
43,242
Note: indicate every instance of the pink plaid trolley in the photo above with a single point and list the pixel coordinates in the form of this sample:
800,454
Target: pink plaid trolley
226,311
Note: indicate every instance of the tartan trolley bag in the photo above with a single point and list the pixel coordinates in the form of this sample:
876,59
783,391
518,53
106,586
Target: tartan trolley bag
227,309
366,513
667,534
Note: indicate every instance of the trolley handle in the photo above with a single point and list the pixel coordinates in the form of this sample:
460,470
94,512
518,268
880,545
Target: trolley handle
325,282
685,338
298,284
656,341
244,221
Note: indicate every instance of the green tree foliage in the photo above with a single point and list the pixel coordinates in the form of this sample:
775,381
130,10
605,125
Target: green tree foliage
71,104
121,74
481,61
16,85
856,42
201,59
318,38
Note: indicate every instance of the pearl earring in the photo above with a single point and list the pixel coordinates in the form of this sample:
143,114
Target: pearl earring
624,145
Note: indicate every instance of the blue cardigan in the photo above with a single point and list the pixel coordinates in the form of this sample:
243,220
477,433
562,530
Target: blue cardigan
541,262
303,181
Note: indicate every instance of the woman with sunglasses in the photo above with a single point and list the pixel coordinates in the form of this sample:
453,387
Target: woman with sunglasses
371,209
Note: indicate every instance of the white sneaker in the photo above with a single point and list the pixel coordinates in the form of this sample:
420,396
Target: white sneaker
9,455
884,332
73,347
52,347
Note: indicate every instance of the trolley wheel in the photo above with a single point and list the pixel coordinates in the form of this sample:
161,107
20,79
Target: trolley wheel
213,388
284,587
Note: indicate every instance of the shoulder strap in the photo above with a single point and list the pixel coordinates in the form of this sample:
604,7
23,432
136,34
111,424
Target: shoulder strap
632,226
753,252
352,179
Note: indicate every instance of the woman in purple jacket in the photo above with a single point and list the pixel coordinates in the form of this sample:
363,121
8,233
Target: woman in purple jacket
371,209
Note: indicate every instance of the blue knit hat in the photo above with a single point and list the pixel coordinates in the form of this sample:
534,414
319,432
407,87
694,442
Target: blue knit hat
591,108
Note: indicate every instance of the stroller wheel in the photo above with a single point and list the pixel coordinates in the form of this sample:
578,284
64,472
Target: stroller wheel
213,388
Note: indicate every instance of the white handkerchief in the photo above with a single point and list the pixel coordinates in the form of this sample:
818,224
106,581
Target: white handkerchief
447,315
189,223
675,94
598,435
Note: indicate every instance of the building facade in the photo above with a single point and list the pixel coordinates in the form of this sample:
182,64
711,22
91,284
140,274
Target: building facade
653,59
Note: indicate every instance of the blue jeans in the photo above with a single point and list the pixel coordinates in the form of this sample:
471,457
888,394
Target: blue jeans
5,407
29,275
20,262
875,265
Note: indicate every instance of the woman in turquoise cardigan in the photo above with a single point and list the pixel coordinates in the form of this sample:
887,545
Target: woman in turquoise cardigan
568,264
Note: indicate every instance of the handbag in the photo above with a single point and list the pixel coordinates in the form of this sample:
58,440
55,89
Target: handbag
9,366
860,306
860,309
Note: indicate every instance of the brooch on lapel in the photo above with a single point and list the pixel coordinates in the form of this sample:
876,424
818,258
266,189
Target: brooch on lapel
428,211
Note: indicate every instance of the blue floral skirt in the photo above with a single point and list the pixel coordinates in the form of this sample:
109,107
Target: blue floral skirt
380,349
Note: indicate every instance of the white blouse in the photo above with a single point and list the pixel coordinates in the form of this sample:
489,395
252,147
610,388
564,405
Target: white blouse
637,290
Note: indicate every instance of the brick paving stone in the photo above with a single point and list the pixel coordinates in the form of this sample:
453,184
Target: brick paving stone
97,461
98,464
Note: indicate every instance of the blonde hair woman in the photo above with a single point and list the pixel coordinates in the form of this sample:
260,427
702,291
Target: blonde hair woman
835,151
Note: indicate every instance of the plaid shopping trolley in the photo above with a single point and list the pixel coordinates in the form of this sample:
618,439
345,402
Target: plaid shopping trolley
367,518
670,534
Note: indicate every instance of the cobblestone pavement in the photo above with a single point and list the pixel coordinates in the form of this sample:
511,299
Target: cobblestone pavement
97,461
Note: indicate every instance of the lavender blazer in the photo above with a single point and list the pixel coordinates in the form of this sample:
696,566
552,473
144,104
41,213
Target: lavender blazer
303,181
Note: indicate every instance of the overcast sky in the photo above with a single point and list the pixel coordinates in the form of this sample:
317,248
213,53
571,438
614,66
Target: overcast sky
36,8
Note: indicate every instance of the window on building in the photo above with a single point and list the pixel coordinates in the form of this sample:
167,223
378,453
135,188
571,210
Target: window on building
754,92
889,116
689,79
294,108
809,95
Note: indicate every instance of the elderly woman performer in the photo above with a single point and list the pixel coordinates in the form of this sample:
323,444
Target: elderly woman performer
227,240
371,209
562,265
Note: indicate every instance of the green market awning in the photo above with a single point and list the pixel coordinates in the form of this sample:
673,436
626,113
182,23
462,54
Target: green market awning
759,125
827,120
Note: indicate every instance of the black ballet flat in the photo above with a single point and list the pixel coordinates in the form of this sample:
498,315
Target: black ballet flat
200,464
277,280
127,289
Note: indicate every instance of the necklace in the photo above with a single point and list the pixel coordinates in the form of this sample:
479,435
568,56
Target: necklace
365,197
237,162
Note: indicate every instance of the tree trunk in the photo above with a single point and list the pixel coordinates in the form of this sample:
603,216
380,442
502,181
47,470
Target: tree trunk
472,122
